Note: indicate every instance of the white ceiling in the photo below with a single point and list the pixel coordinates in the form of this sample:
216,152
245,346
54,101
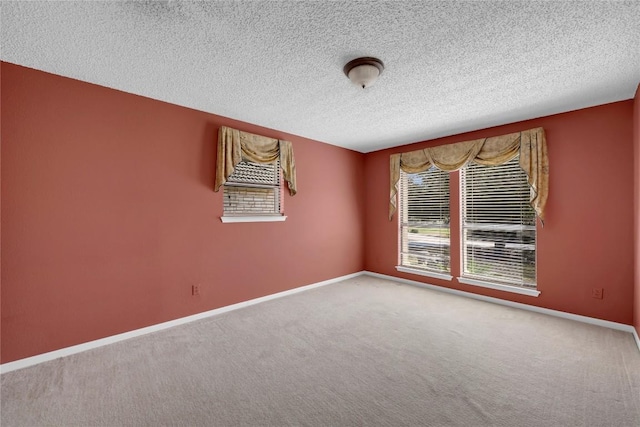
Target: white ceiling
451,67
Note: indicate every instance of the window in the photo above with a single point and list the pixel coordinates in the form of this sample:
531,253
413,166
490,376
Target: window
253,190
424,221
498,225
252,169
498,208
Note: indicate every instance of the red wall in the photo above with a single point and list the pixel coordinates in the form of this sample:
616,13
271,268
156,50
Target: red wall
109,215
109,218
586,241
636,210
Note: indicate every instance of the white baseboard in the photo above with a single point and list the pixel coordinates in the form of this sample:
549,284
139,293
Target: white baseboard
45,357
548,311
67,351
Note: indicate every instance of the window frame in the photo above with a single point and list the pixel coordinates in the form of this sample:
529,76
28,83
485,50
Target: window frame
250,216
494,282
403,210
456,226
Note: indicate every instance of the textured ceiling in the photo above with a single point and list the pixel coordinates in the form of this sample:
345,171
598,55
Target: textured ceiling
450,66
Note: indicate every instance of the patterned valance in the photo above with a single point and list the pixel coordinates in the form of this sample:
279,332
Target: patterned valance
235,146
530,144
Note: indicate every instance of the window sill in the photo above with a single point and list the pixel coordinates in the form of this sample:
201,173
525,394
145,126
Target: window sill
500,287
265,218
425,273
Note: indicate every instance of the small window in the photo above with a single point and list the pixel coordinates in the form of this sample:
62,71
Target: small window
254,189
424,221
498,225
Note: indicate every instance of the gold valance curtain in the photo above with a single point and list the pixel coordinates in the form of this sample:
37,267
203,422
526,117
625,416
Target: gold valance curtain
530,144
235,146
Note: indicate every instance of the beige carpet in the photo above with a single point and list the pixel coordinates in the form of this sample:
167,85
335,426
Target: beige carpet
363,352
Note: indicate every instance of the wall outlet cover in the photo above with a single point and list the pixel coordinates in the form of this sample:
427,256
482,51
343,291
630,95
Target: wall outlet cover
597,293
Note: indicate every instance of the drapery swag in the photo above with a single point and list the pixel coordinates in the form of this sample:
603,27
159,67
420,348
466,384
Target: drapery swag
530,144
235,146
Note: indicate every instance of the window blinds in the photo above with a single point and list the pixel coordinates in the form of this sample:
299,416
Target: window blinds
498,224
256,173
424,214
253,189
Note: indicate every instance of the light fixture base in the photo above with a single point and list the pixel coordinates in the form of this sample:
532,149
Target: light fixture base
363,71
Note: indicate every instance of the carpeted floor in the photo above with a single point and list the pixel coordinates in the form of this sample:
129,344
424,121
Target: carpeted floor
363,352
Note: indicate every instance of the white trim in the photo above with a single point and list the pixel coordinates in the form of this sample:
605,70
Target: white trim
548,311
265,218
498,286
637,338
45,357
425,273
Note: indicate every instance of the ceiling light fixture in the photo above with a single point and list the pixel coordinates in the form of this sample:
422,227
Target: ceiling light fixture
364,71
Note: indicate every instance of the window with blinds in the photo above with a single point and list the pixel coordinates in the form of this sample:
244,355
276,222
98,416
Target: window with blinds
424,220
253,189
498,225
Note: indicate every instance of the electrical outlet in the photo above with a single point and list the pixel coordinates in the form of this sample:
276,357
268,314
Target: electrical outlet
195,290
597,293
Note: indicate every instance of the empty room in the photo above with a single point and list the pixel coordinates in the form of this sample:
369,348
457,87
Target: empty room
304,213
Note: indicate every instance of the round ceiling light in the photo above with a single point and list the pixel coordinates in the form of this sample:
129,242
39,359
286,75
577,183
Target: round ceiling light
364,71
